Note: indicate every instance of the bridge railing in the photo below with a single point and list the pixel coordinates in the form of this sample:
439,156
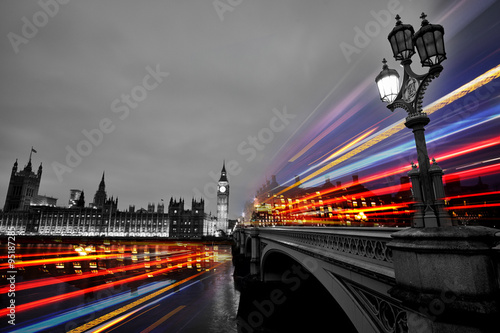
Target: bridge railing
364,248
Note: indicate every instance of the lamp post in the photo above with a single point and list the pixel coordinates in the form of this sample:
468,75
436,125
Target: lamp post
433,253
428,190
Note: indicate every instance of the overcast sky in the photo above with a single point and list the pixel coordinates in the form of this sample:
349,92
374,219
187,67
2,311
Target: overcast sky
166,90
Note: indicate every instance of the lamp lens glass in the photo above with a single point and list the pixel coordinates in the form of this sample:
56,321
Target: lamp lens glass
388,88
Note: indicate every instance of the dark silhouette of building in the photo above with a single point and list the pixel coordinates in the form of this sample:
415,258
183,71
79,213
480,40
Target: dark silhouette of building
101,201
100,195
180,223
23,186
81,200
101,218
186,223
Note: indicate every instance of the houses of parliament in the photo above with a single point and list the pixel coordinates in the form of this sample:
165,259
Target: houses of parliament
28,213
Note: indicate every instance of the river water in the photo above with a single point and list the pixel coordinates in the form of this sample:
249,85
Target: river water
63,286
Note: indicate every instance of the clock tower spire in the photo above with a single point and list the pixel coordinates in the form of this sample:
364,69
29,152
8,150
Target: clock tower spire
222,200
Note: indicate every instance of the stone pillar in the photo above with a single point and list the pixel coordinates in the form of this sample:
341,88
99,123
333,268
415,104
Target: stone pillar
418,217
242,242
448,277
236,238
436,174
255,257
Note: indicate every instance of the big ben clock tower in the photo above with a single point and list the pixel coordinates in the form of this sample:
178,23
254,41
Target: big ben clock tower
222,200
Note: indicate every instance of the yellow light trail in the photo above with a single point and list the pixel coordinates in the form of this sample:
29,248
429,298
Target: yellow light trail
140,314
324,133
114,322
106,317
349,145
433,107
340,145
162,319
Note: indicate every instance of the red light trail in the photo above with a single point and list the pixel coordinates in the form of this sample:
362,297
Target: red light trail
58,298
74,277
58,260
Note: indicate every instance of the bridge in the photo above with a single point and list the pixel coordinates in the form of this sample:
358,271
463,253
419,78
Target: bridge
442,279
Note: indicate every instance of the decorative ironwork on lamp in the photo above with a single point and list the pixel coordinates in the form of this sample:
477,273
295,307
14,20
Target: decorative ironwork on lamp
409,96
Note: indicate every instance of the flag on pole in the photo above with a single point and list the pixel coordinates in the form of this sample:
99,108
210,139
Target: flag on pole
33,150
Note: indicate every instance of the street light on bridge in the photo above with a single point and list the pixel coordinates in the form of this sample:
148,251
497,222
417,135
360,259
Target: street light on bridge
427,184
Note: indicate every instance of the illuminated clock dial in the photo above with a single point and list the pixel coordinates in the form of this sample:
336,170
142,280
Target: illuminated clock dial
222,189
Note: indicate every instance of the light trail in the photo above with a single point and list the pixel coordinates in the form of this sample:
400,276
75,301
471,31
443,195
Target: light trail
57,298
470,148
433,107
476,163
324,133
58,260
121,310
303,208
482,171
397,212
373,209
466,149
90,308
393,152
163,319
74,277
114,322
473,173
486,205
345,197
472,195
140,314
349,145
47,254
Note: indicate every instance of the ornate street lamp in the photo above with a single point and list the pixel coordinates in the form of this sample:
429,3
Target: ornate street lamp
428,191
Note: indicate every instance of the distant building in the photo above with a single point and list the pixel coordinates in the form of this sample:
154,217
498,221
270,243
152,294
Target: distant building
91,222
160,208
351,204
223,202
42,200
101,201
87,221
151,208
23,187
81,200
74,196
210,225
27,213
100,195
186,223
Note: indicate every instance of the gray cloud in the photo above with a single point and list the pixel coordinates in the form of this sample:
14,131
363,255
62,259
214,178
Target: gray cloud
225,79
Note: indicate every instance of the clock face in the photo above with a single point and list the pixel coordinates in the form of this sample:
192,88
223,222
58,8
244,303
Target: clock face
222,189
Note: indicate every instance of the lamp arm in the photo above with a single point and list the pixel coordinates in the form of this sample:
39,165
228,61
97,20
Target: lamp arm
422,87
407,69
